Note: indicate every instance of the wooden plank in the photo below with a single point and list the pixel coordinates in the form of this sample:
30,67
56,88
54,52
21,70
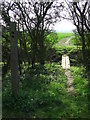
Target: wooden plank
65,62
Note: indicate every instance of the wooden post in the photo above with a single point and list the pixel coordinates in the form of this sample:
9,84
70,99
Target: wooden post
14,59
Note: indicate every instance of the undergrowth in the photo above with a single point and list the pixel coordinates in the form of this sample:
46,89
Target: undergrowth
42,94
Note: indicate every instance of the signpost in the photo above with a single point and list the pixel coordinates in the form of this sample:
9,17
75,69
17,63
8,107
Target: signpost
65,62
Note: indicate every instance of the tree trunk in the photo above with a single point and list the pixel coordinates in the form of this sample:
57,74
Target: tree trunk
33,62
20,69
83,49
83,41
41,47
42,53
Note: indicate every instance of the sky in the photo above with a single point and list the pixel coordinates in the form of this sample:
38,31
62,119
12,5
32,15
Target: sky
64,26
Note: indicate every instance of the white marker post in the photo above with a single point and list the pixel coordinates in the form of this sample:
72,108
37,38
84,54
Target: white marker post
65,62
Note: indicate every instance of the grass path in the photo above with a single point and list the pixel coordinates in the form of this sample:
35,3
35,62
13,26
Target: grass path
70,86
65,41
66,65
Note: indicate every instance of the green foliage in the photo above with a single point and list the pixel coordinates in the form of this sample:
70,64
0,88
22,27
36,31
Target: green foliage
5,45
42,90
24,46
81,89
73,52
80,80
51,38
76,40
40,87
43,94
73,41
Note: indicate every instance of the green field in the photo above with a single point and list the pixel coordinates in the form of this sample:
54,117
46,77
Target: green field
64,35
53,38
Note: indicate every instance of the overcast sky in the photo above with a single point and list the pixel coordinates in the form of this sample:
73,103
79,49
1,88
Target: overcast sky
64,26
